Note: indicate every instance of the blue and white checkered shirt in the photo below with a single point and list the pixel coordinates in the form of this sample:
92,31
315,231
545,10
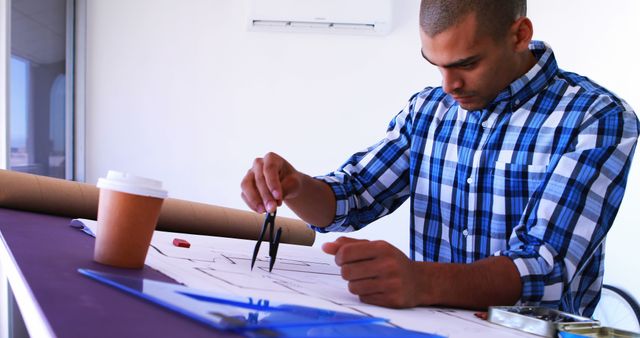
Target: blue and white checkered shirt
537,176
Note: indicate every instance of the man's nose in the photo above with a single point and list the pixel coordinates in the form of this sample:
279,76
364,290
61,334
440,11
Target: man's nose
451,82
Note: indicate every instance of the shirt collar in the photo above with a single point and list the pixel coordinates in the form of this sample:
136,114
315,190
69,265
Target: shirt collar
532,82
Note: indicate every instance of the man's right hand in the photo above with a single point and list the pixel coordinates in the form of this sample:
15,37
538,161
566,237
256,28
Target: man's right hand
269,182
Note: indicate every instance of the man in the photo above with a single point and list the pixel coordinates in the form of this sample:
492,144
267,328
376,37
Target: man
514,170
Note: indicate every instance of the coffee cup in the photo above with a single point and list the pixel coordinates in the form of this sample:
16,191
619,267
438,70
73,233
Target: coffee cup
128,211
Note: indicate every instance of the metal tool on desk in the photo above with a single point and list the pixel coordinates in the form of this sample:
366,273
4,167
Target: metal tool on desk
274,241
548,322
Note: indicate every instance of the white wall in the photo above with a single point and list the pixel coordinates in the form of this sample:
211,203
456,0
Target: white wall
180,91
215,96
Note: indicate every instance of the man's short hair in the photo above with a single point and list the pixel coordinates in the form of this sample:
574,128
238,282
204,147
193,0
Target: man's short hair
494,17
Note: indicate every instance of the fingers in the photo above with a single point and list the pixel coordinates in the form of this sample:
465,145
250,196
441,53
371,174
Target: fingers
250,193
352,250
255,189
333,247
365,287
389,290
261,185
361,270
376,271
271,170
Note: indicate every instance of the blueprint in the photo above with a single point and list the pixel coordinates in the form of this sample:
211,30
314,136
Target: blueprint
301,276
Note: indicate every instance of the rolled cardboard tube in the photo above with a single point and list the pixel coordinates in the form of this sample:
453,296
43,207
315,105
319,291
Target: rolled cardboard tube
80,200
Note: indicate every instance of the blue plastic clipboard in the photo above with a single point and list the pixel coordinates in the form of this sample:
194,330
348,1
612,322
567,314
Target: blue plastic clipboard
223,311
252,317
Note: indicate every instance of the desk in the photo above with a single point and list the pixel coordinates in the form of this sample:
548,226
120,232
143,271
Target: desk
39,257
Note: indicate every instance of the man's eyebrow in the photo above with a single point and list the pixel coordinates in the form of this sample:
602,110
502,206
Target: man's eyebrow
457,63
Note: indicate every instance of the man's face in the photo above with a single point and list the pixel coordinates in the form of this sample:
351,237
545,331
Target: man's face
474,67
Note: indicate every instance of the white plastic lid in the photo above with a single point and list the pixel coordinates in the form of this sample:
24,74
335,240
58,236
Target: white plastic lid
131,184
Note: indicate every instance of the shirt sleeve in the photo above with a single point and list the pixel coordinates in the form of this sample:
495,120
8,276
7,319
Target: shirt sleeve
569,215
373,182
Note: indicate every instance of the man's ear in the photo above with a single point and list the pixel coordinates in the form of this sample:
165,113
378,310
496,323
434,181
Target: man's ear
521,33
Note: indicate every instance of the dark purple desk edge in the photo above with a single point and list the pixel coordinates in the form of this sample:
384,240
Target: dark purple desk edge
49,252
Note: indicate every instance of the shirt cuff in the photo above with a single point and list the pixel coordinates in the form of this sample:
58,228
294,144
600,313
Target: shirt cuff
342,207
540,275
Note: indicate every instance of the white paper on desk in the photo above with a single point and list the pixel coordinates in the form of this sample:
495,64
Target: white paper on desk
301,275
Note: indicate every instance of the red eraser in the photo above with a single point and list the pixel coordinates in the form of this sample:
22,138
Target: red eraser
181,243
482,315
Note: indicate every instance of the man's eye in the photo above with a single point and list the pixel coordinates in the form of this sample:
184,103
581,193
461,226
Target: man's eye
467,65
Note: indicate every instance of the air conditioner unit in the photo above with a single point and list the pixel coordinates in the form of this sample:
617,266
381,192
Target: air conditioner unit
371,17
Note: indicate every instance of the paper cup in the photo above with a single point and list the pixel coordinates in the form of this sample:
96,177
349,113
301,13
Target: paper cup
128,211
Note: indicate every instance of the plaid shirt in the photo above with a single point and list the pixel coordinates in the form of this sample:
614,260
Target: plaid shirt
537,176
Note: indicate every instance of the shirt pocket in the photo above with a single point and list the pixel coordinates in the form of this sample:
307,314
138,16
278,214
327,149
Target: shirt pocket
514,185
523,173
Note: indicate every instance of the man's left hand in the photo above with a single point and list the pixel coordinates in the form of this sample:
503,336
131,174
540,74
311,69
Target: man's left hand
377,272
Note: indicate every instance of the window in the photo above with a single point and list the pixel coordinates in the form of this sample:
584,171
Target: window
39,111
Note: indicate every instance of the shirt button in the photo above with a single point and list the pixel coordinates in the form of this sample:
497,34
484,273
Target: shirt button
465,232
469,180
485,124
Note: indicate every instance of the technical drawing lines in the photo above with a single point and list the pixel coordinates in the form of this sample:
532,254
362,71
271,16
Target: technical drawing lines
303,271
240,280
216,256
240,259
